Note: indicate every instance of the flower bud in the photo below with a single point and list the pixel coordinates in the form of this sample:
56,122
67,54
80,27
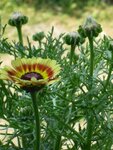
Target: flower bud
38,36
90,27
73,38
17,19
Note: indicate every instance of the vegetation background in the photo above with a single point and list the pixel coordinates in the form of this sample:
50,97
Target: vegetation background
64,15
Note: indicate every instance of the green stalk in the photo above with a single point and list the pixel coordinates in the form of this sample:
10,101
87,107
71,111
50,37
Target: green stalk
37,121
24,142
109,74
108,77
19,30
72,53
91,55
58,143
39,44
90,114
89,131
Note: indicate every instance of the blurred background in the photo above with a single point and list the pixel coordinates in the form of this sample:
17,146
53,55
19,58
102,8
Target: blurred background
64,15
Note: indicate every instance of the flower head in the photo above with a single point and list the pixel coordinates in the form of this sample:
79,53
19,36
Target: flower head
73,38
31,74
90,27
38,36
17,19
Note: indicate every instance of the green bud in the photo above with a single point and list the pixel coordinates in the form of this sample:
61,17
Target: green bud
90,27
73,38
17,19
38,36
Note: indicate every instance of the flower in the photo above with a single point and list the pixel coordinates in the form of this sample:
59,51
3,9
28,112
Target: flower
31,74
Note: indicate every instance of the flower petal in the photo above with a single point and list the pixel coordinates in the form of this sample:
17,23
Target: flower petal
30,67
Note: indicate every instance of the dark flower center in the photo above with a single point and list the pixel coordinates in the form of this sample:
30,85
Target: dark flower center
29,75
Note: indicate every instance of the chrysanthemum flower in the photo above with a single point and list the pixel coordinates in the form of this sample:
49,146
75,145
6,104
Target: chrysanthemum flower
31,74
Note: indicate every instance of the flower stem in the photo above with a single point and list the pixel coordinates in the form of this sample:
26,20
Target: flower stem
37,121
39,44
109,73
89,131
91,55
72,53
58,143
19,30
90,117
